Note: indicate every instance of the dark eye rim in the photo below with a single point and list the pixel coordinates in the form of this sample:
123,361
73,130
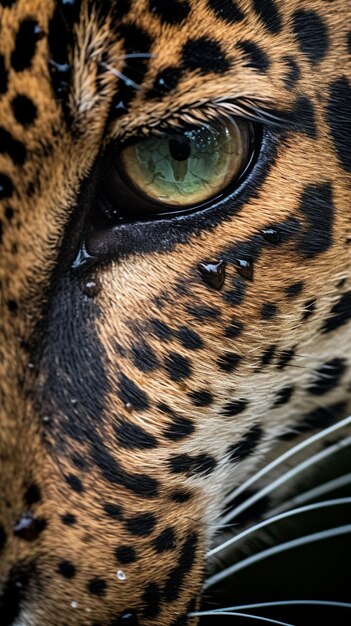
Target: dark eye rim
168,212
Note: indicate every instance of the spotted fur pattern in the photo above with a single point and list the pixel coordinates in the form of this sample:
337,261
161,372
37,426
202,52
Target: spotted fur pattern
137,392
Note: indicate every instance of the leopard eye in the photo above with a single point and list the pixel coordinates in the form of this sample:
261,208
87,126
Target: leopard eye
177,170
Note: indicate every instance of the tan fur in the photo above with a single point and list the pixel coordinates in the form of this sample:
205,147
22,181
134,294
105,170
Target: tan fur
59,160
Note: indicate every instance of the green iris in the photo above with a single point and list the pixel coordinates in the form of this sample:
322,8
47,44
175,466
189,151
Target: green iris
187,167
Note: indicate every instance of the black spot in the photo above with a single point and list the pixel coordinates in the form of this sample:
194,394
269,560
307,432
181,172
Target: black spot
125,555
32,495
74,482
201,398
174,583
236,296
348,42
12,306
283,395
130,393
311,34
161,330
285,358
165,541
97,586
114,511
304,118
6,186
247,445
189,338
9,213
170,12
66,569
234,329
13,591
134,437
3,75
227,10
177,366
327,377
29,527
79,461
309,308
203,313
268,355
69,519
60,39
294,289
3,537
24,110
141,525
339,120
268,311
151,599
204,55
135,40
144,357
180,428
234,408
269,14
27,36
322,417
256,57
339,315
185,464
139,484
316,204
293,73
180,496
229,362
165,81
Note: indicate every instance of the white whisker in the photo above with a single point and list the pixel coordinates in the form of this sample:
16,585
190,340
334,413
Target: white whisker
289,453
282,547
263,605
312,494
236,614
128,81
276,518
285,478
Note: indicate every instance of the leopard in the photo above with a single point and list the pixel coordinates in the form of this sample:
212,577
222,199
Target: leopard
175,285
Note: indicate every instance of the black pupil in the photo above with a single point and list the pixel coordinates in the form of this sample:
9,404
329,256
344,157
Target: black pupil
179,149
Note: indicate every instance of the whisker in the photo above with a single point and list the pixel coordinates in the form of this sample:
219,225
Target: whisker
312,494
282,547
315,458
128,81
277,518
283,457
236,614
262,605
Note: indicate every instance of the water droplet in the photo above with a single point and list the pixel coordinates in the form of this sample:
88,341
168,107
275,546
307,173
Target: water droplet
121,575
74,604
129,618
82,259
29,527
88,610
213,274
129,407
46,419
244,267
31,366
92,287
272,235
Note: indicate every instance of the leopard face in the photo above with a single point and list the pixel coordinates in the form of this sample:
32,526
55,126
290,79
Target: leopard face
155,351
